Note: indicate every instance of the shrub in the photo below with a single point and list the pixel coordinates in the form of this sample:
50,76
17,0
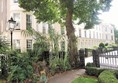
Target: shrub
90,65
107,76
92,70
20,67
116,74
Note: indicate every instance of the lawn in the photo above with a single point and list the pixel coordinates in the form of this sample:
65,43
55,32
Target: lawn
2,81
85,80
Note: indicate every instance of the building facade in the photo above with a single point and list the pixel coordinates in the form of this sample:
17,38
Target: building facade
25,20
3,15
90,38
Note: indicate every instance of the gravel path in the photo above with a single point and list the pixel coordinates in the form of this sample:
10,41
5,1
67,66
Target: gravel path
67,77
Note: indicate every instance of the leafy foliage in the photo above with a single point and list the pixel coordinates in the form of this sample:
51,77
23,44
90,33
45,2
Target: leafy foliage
56,10
65,12
107,76
20,67
4,45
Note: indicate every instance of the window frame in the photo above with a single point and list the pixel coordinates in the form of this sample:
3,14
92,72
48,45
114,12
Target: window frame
28,21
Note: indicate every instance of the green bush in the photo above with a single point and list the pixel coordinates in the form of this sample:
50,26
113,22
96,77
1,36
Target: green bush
107,76
92,70
90,65
20,67
116,74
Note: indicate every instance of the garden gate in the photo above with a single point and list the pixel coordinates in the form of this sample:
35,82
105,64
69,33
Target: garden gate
109,59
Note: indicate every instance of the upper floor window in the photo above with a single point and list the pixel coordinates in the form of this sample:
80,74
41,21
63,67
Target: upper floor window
79,33
89,34
85,33
2,6
112,38
111,31
16,17
106,36
15,1
28,21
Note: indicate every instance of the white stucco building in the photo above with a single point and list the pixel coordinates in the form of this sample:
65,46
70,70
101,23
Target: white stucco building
86,38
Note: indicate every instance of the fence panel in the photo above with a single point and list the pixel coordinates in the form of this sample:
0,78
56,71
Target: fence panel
109,59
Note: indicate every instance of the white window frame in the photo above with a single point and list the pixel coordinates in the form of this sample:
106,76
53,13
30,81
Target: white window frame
28,21
15,1
17,19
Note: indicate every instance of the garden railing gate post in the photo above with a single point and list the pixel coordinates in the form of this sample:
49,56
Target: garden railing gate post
82,58
96,61
86,52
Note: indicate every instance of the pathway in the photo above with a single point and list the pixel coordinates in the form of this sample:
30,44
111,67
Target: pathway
67,77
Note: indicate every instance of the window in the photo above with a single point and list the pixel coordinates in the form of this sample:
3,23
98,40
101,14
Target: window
28,21
29,44
63,46
2,26
106,36
89,34
2,6
85,33
105,28
112,37
16,45
16,17
15,1
111,31
79,33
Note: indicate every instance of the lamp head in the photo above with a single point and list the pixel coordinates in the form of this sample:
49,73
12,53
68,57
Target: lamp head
12,24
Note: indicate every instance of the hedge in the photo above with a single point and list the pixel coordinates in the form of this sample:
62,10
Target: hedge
107,76
92,70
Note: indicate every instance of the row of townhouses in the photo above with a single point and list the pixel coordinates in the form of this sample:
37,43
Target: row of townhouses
86,38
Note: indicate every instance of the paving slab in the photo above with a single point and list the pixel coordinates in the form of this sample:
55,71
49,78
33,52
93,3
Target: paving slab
67,77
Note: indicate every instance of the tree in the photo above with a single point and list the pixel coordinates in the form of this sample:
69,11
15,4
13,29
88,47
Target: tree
65,12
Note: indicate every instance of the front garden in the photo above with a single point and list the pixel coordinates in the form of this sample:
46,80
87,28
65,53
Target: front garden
97,75
38,64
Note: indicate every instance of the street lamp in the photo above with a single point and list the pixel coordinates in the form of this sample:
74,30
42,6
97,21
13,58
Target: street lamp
12,24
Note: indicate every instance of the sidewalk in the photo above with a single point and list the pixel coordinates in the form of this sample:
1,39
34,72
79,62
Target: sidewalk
67,77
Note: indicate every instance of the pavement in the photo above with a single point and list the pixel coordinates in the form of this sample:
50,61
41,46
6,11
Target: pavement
67,77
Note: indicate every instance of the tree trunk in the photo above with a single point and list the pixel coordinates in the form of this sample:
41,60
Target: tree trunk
72,42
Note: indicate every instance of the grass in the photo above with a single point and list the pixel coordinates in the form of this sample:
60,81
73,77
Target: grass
2,81
85,80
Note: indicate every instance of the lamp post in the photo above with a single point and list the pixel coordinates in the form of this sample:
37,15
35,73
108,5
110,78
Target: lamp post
12,24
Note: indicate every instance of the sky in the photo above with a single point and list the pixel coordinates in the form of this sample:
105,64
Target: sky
112,15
